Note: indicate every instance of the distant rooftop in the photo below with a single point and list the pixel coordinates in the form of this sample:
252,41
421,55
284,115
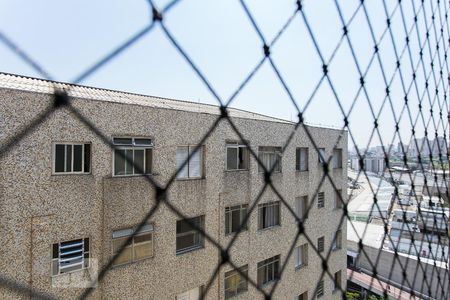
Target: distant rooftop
30,84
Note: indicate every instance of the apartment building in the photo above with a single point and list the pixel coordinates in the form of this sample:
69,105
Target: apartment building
69,200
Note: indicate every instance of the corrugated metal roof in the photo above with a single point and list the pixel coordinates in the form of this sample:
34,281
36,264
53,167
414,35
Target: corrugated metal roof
37,85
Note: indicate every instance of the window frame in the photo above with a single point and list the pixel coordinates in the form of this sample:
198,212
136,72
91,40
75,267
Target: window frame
275,150
337,282
324,154
243,208
245,155
337,158
337,202
260,220
320,202
320,289
201,237
202,162
303,201
303,296
133,146
243,279
274,260
140,233
85,263
304,256
320,248
83,151
337,241
298,155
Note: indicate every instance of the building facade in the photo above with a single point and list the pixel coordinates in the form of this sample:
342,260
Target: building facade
69,200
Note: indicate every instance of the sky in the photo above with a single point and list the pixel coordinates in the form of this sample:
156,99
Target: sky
68,37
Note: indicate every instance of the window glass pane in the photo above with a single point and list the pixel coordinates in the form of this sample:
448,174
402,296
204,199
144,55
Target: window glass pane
143,142
77,158
138,161
181,157
142,249
242,158
122,141
148,161
232,158
68,158
87,158
195,163
119,162
236,214
185,241
129,162
227,222
59,158
125,256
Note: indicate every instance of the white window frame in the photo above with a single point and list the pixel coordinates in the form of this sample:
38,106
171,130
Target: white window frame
231,273
337,158
84,264
264,265
202,171
271,150
127,232
237,146
82,144
278,217
194,231
320,289
320,199
133,146
301,206
299,153
242,215
324,155
321,249
337,240
301,256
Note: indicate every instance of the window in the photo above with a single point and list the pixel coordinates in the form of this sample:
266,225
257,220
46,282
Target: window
194,167
70,256
320,200
301,256
319,290
320,244
322,155
337,281
188,238
72,158
337,199
132,156
301,159
234,216
193,294
237,156
270,157
303,296
337,240
235,283
268,270
140,247
269,215
337,158
301,205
